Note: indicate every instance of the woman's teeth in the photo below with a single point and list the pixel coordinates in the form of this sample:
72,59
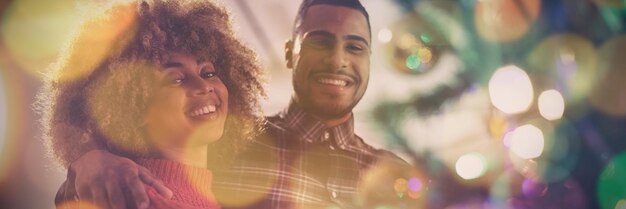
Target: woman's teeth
203,110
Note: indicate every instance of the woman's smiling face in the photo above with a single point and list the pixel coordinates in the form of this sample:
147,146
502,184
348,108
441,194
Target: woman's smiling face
189,106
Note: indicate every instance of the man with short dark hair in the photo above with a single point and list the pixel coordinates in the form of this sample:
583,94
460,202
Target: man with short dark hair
316,160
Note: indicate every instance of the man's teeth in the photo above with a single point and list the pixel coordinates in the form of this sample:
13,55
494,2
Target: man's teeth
332,82
203,110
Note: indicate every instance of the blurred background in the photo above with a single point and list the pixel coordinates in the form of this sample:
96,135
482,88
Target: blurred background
522,101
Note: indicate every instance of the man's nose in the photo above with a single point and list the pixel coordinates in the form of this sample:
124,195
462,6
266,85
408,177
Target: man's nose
337,58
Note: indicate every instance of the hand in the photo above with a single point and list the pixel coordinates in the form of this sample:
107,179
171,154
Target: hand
102,177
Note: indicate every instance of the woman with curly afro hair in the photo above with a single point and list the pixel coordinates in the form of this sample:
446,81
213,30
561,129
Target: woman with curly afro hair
163,83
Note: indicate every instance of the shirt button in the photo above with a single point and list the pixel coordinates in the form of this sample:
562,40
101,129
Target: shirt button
334,194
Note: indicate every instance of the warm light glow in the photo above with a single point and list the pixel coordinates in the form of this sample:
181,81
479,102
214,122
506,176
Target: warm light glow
400,185
99,36
34,31
527,142
510,90
406,41
471,166
551,104
504,20
385,35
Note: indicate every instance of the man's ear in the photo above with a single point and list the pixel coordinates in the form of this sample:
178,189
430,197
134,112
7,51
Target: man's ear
289,54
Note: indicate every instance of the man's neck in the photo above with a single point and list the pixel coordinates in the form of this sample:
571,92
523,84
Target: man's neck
334,121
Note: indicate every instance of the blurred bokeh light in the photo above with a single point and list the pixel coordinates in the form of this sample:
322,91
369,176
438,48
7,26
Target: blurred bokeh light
551,104
612,183
527,142
384,35
494,18
511,90
607,95
566,63
471,166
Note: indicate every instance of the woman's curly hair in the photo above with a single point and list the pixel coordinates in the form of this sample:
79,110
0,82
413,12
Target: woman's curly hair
97,94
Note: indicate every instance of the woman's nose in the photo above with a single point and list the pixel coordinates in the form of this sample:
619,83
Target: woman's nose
201,87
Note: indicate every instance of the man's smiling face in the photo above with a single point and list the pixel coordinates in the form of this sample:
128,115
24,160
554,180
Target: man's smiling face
330,58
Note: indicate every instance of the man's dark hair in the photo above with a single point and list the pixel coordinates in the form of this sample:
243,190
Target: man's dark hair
306,4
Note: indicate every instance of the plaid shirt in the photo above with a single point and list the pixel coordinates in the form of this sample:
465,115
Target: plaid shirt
300,163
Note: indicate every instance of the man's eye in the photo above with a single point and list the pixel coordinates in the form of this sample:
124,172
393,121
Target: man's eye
355,48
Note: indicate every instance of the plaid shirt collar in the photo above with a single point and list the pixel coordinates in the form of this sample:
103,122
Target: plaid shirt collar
305,127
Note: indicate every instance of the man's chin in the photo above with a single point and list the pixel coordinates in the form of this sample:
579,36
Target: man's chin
331,110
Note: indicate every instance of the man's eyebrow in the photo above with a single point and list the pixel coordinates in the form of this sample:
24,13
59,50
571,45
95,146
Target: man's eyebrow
331,35
319,33
358,38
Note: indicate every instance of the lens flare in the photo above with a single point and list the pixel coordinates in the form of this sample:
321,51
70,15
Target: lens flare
34,31
551,104
511,90
527,142
612,184
505,20
471,166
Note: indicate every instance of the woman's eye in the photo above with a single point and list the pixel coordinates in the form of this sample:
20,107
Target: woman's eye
207,74
173,80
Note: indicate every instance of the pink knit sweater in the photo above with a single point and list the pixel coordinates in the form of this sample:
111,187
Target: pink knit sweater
191,185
